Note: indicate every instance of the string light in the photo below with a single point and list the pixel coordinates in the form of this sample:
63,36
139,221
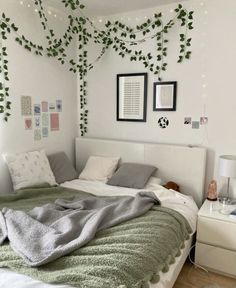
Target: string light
100,20
21,2
49,12
28,5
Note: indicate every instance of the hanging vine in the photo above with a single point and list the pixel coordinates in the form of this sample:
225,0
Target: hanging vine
117,36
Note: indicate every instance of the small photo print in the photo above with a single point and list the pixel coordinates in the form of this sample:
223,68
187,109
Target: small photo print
54,121
203,120
37,135
45,132
37,122
195,124
37,109
187,120
52,107
28,124
58,105
45,120
26,106
44,106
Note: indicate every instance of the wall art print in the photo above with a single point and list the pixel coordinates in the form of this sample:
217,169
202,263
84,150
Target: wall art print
54,121
37,109
28,124
164,96
26,105
44,106
132,97
37,135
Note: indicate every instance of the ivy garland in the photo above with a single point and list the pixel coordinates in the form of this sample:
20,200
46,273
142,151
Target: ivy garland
116,35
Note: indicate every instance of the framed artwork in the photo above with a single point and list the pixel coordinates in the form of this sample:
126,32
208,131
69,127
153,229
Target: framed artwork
132,97
164,96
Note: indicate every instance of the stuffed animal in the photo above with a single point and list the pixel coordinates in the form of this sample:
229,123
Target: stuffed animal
172,185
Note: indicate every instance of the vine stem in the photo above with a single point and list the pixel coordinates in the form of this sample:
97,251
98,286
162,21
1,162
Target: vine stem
56,47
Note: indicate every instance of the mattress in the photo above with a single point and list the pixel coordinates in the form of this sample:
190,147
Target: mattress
169,198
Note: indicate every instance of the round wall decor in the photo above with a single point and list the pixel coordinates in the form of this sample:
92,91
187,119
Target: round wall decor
163,122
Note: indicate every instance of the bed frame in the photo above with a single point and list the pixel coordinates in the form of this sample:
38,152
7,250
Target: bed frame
184,165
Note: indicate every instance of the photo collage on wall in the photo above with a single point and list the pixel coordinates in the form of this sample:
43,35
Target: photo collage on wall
195,124
41,118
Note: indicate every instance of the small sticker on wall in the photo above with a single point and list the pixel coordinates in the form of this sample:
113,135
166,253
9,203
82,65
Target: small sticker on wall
37,122
44,106
54,121
163,122
58,105
45,132
26,106
37,109
195,124
37,134
28,124
187,120
203,120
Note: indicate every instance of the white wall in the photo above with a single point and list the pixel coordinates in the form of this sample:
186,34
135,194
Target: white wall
43,79
206,85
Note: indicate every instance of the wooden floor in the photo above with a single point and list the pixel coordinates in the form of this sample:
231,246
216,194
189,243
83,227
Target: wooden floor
192,277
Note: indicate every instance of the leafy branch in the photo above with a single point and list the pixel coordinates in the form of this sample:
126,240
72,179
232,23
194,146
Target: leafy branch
117,36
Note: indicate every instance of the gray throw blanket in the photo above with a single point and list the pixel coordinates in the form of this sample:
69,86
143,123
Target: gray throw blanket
56,229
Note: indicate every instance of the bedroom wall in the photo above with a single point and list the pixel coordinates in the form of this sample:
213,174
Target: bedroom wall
206,85
42,79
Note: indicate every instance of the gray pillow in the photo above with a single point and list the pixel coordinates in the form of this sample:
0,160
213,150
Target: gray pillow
132,175
62,167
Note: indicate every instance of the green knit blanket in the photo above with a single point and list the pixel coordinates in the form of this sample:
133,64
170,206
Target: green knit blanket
125,256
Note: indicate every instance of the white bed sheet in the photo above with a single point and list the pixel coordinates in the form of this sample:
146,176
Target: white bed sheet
185,205
169,198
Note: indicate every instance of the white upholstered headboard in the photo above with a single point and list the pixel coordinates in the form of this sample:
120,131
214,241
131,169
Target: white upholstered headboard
181,164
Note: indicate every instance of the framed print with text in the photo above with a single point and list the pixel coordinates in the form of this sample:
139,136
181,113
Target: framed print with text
132,97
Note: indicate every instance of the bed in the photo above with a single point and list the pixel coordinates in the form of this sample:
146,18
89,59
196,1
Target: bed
184,165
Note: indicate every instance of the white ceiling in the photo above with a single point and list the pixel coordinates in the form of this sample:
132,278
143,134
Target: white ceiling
109,7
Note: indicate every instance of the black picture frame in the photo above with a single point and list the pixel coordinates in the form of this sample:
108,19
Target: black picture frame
164,96
132,97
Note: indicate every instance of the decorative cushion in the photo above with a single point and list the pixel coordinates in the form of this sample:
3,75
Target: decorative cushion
62,167
29,169
99,168
132,175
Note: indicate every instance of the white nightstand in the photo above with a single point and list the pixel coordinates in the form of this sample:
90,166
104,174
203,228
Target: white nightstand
216,239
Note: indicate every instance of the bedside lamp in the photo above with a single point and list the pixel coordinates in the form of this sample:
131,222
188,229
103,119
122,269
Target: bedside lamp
227,168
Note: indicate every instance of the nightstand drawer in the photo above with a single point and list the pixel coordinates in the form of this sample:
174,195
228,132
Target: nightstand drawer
215,258
215,232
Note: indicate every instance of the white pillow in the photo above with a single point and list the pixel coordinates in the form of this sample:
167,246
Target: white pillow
153,183
29,169
99,168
